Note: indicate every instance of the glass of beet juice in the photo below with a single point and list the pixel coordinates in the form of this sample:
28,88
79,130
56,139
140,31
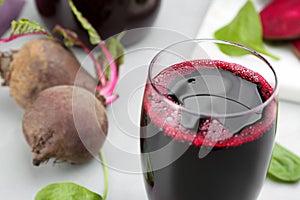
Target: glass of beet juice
208,122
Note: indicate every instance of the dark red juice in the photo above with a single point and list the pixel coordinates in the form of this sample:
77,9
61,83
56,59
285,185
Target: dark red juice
206,156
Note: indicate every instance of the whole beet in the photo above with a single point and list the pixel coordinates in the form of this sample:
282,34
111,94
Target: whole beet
42,63
66,123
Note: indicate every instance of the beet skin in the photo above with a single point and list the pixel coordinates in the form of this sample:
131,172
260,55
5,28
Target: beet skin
66,123
40,64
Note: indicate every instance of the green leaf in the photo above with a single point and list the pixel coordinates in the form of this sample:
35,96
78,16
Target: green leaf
117,51
285,165
26,26
1,2
66,191
93,35
70,38
245,29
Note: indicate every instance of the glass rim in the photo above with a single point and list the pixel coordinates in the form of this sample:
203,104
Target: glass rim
236,114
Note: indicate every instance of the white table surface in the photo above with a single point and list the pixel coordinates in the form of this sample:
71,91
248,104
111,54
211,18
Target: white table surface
20,180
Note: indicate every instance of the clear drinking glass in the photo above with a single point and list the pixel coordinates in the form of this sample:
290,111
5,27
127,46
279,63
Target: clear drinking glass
208,122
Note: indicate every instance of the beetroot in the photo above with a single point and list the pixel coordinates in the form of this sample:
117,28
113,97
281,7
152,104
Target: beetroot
281,19
66,123
40,64
62,121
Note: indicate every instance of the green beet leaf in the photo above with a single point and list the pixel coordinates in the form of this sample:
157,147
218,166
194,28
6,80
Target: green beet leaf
66,191
245,29
117,51
26,26
285,165
93,35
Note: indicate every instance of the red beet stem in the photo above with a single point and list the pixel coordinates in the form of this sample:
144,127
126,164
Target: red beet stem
105,89
110,99
108,89
14,37
101,75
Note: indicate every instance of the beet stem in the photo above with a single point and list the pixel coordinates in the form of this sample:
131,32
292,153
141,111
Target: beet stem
110,99
13,37
108,89
105,172
101,75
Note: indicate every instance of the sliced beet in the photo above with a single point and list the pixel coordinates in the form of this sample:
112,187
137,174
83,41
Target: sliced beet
281,20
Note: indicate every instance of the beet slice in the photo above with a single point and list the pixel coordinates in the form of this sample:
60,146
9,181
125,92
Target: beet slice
296,47
281,20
